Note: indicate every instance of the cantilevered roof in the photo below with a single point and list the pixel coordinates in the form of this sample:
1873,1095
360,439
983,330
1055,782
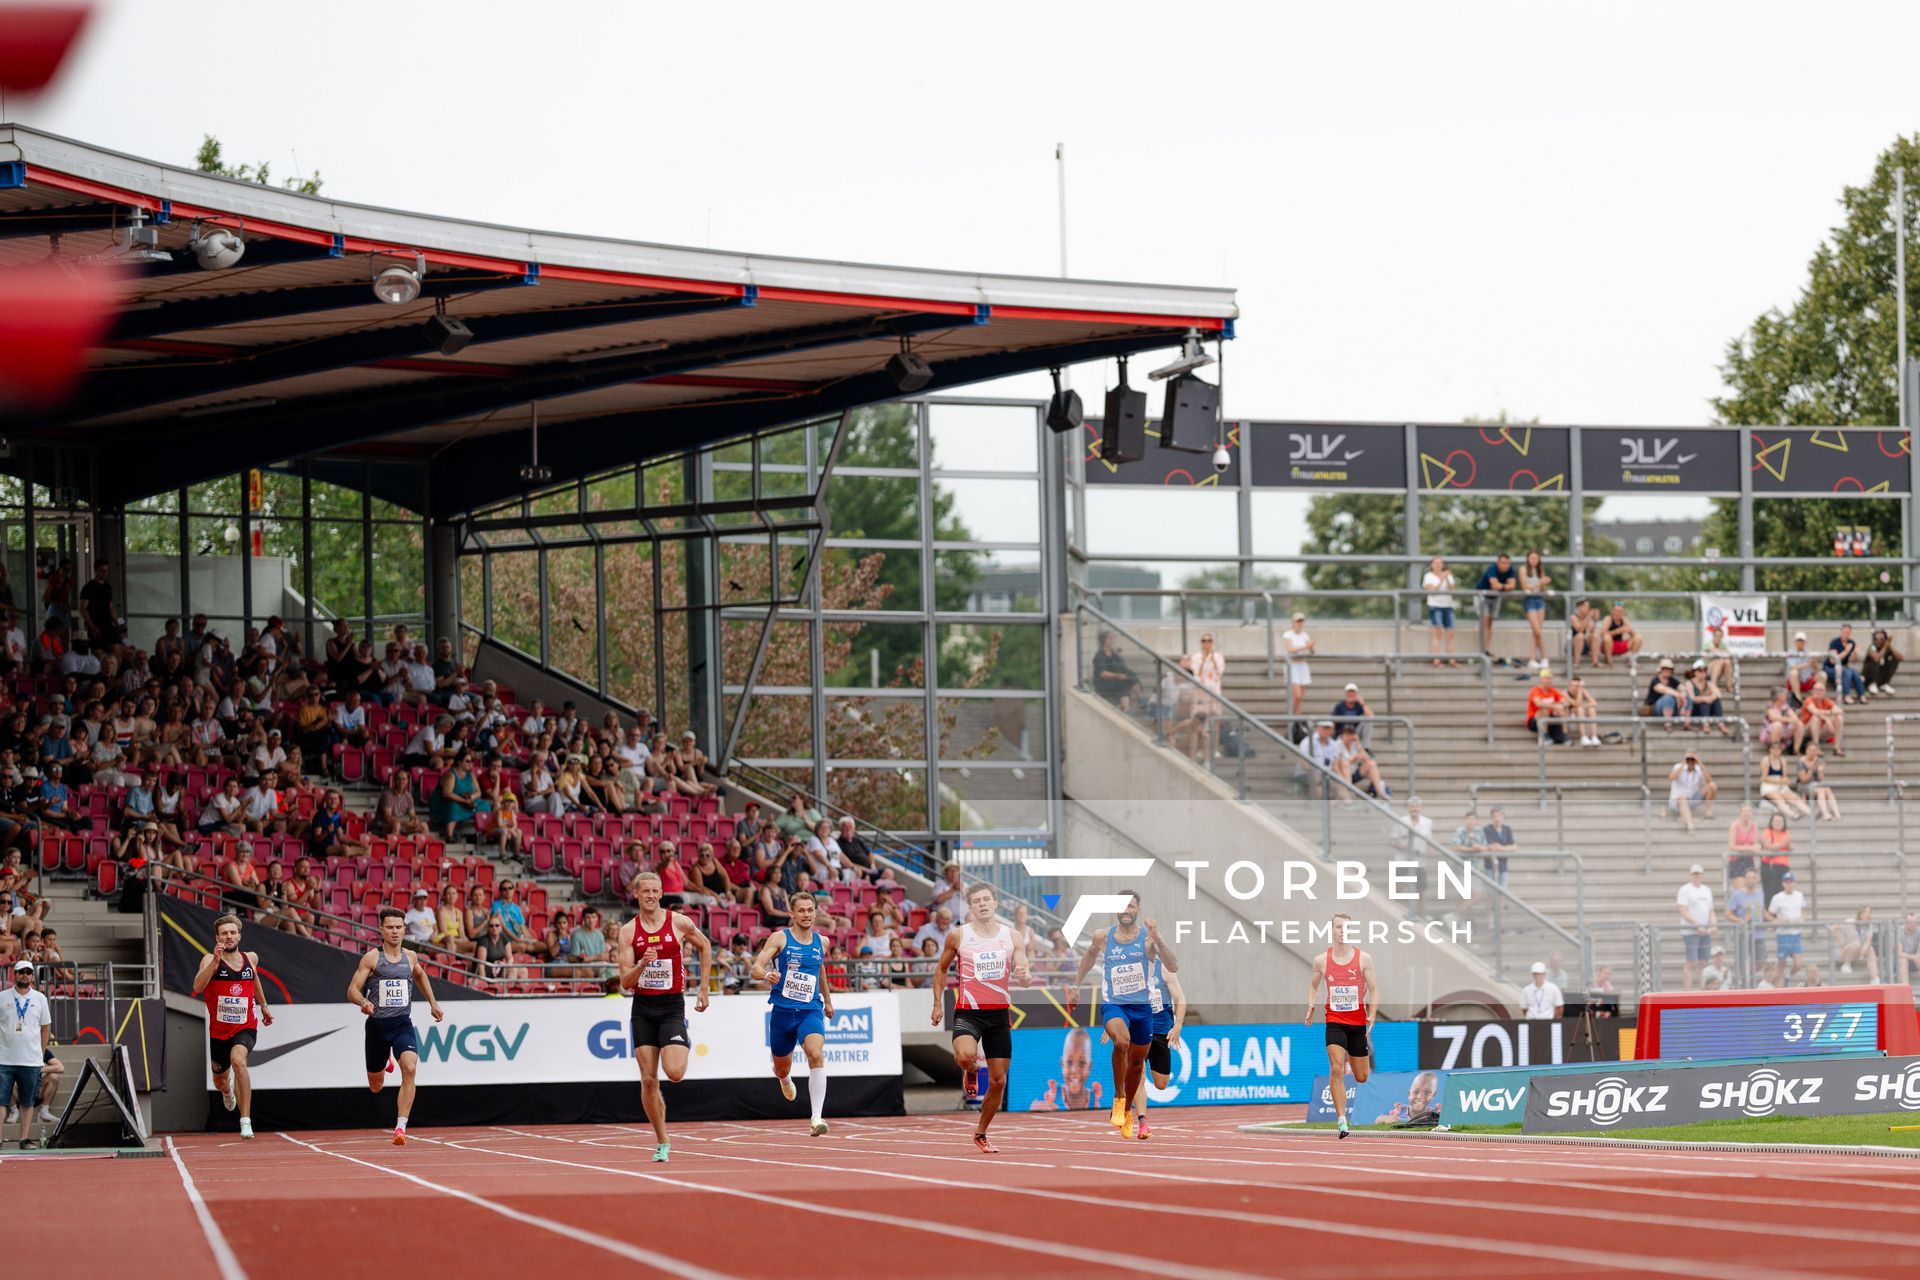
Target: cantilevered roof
631,350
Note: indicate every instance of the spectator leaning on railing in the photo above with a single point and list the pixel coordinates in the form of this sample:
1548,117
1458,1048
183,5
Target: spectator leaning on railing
1496,582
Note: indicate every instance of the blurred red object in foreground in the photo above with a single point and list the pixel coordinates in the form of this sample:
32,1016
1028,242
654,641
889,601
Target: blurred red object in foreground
34,40
50,314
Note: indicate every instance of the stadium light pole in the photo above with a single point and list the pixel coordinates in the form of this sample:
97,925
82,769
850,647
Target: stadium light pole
1060,171
1899,287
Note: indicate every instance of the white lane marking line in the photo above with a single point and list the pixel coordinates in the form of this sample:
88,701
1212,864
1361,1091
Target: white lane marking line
1561,1253
1127,1262
223,1256
632,1252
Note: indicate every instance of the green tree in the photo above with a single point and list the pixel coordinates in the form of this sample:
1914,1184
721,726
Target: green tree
1828,360
208,160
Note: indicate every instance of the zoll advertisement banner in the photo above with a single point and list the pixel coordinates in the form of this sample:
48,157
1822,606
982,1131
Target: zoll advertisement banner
1450,1046
559,1041
1604,1101
1740,620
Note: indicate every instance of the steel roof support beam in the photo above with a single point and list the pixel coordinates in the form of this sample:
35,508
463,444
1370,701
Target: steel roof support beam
190,314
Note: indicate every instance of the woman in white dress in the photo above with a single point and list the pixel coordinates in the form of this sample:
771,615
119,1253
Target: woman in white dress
1299,647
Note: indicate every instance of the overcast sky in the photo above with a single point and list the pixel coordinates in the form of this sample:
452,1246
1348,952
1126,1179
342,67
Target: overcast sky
1429,210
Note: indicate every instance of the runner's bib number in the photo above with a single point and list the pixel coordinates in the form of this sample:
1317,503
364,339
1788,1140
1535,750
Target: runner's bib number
990,966
394,993
1155,1000
657,975
1129,979
1343,999
231,1010
800,986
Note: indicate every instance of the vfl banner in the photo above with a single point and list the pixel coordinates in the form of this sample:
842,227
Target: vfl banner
1601,1102
1069,1068
1827,462
1451,1046
1627,460
1387,1097
1291,455
1511,459
561,1040
1741,620
1161,467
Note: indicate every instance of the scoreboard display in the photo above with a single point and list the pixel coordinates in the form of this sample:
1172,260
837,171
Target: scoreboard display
1725,1031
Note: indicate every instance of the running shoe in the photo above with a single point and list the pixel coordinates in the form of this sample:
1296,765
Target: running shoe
1143,1132
1127,1128
1119,1116
227,1099
980,1141
399,1137
970,1086
786,1087
660,1153
817,1128
1343,1126
246,1127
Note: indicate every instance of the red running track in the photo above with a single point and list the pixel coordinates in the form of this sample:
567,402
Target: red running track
907,1196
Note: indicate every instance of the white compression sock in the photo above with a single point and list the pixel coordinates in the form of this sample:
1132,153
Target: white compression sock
817,1090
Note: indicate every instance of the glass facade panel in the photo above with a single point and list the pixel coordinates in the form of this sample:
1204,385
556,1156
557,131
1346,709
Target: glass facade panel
981,437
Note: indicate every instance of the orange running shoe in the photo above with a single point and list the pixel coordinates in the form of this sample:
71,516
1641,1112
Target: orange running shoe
1127,1129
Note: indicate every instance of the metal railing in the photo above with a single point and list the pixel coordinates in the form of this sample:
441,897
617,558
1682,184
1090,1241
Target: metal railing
904,854
66,983
1559,790
1307,799
1749,949
1638,725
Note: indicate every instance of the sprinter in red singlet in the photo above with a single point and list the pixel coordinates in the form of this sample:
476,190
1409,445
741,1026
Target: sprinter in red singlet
229,981
989,954
1353,1002
649,956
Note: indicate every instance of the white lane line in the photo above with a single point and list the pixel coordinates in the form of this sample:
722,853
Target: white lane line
1571,1255
1132,1263
632,1252
223,1255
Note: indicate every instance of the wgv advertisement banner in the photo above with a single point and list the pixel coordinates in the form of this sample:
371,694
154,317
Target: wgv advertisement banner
1611,1101
1070,1068
561,1040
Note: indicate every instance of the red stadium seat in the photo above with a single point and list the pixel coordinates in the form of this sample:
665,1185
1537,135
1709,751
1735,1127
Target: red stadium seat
593,880
107,878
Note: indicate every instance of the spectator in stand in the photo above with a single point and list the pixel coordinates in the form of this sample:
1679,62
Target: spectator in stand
1776,783
449,923
1297,646
493,948
1113,679
1437,582
96,606
507,906
747,826
1776,853
241,880
586,949
1668,697
327,833
1690,786
1545,707
508,835
266,809
56,801
1358,766
829,860
1882,661
1810,977
1025,940
1540,999
1497,836
1841,677
1352,709
1557,971
1583,633
939,924
739,872
798,819
1704,696
1746,905
1619,637
427,748
1186,715
473,921
1824,719
1811,779
1322,751
887,902
1467,840
420,920
1713,975
349,718
13,648
1853,944
859,855
1786,908
774,912
1581,713
1802,668
1535,582
1496,582
1908,944
394,815
1743,844
707,882
1781,724
951,891
1695,904
1210,669
455,796
1718,657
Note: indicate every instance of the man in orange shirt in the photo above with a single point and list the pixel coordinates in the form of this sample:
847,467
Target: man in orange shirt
1544,707
1822,715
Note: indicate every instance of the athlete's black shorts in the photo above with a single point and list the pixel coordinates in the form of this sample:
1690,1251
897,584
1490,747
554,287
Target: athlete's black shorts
388,1038
993,1028
660,1021
1159,1056
1351,1036
222,1050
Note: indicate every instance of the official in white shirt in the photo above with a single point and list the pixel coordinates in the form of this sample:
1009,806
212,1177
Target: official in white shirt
1541,999
26,1028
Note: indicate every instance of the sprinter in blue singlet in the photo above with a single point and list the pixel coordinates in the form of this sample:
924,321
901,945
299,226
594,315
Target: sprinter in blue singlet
792,963
1125,952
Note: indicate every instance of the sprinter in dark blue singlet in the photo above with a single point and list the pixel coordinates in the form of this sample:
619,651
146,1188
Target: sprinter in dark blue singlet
1169,1005
394,975
792,964
1125,952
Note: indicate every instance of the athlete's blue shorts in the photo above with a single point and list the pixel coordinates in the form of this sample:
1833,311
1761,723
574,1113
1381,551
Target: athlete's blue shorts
788,1027
1163,1022
395,1037
1139,1020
